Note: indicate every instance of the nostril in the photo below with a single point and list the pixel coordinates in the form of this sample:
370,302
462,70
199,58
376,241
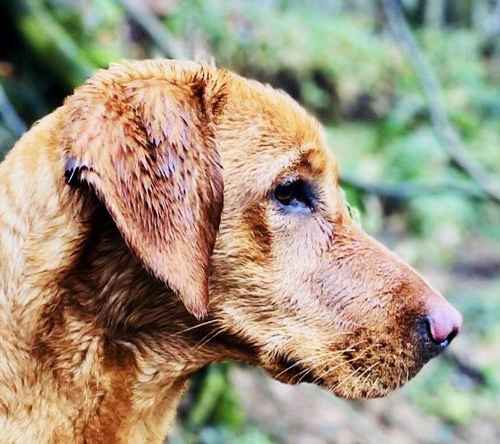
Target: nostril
428,337
450,337
428,330
438,327
436,334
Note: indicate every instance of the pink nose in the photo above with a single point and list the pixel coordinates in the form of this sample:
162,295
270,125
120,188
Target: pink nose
444,321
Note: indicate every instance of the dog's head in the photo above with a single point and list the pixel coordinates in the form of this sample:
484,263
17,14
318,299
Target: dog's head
226,190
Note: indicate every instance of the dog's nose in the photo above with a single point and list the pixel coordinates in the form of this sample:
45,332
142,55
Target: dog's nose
444,324
439,327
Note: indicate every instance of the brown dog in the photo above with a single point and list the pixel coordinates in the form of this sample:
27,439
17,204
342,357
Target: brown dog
159,181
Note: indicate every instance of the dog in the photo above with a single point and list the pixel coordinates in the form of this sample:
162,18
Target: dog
170,215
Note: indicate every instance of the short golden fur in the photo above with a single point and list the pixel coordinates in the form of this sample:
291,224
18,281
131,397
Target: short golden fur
140,241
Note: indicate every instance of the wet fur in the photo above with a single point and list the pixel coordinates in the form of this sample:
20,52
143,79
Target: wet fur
139,242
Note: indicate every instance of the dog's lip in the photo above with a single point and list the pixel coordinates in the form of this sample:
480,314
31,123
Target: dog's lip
290,371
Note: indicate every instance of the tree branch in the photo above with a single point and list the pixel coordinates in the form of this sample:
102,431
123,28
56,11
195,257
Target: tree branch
9,115
443,129
166,43
406,190
467,369
50,40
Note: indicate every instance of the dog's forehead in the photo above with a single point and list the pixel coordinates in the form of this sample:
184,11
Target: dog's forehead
268,135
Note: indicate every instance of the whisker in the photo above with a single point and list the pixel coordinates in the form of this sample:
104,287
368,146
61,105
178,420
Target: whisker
297,363
346,380
353,374
367,377
374,387
356,358
194,327
305,373
209,337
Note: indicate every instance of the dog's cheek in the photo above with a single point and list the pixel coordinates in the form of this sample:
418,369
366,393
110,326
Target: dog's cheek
240,277
256,229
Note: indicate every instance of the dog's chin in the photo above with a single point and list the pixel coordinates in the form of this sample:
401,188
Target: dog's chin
376,385
373,385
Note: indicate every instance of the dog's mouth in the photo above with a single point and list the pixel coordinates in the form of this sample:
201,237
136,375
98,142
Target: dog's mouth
291,371
352,379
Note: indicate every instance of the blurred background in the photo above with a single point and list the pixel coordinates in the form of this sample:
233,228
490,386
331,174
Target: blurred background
409,95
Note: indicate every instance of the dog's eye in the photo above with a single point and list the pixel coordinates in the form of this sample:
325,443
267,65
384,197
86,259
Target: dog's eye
295,196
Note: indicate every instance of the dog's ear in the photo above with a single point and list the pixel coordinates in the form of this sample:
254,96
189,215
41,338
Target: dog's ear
146,145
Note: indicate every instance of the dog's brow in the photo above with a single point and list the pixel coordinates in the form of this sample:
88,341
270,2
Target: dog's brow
314,160
311,161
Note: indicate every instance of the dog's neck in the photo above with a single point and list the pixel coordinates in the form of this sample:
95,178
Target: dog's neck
84,307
